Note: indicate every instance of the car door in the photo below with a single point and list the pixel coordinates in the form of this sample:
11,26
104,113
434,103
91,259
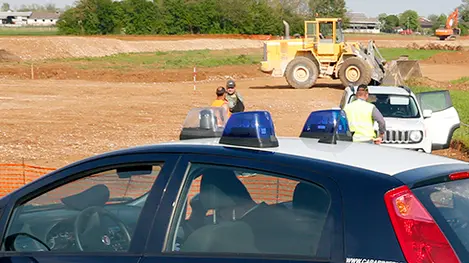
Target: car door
98,210
444,119
220,209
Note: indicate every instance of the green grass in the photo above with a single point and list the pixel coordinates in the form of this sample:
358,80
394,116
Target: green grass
460,100
203,58
28,31
463,80
394,53
167,60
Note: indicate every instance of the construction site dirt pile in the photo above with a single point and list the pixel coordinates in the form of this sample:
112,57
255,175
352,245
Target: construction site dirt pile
435,46
459,57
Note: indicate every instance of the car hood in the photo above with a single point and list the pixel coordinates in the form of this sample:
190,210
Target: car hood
403,124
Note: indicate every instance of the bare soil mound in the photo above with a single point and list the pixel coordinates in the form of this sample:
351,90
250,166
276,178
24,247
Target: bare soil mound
449,58
435,46
6,56
40,48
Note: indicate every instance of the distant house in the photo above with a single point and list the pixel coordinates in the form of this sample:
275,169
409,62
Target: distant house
43,19
425,24
360,23
11,18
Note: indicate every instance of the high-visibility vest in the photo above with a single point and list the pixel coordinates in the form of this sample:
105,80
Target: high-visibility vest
219,103
360,118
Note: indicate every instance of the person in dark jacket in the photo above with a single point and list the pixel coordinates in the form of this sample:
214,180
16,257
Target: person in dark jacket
234,98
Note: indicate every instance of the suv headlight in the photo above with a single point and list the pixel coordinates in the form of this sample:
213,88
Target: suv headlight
415,136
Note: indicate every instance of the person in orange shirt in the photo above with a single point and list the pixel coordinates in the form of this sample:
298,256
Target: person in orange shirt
221,101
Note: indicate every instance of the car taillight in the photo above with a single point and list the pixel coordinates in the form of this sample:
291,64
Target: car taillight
419,236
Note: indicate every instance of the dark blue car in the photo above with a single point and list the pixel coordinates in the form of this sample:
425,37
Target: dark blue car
245,195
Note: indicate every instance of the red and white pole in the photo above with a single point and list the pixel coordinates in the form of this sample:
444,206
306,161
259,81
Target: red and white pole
195,77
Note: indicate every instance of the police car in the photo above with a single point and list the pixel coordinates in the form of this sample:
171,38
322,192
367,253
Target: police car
245,195
424,121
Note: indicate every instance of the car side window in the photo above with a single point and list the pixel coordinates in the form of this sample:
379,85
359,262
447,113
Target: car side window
96,213
230,210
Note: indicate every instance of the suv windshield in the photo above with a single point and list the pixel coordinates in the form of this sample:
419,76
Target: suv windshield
393,106
448,203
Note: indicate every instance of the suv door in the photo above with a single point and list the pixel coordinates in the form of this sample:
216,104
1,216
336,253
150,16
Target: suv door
95,211
243,210
444,119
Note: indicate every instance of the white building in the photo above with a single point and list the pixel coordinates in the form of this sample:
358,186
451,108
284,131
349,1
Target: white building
11,18
360,23
43,19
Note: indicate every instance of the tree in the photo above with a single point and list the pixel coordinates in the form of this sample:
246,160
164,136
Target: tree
5,7
328,8
440,21
390,22
410,20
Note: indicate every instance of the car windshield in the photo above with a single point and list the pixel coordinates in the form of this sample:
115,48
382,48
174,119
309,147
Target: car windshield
448,203
394,106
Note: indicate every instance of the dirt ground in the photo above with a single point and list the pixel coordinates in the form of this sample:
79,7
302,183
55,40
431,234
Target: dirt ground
66,113
55,122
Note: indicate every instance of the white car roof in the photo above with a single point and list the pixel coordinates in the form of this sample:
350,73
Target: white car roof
376,158
387,90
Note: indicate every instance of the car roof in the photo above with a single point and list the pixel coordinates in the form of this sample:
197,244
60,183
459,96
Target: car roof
387,90
381,159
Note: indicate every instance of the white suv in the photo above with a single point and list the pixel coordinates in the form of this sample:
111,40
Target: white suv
425,121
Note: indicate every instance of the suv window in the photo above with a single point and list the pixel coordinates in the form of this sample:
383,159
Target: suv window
233,210
104,206
448,204
393,106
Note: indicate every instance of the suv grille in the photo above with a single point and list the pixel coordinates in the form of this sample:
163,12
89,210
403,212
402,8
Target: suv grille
397,137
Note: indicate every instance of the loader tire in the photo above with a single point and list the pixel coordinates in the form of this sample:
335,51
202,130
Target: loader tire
354,71
301,73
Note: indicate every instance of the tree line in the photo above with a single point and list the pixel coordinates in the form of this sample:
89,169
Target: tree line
142,17
410,20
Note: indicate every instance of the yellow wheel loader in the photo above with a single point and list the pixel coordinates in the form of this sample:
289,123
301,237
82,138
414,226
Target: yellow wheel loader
323,53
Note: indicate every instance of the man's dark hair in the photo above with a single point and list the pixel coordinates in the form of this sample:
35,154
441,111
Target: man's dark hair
362,90
220,91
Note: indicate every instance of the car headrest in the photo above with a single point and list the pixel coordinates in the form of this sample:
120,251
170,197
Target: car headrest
221,188
97,195
309,197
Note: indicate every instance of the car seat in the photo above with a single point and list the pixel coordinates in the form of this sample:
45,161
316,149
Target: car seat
310,205
221,189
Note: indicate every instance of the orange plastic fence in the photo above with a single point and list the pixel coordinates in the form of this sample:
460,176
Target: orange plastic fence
13,176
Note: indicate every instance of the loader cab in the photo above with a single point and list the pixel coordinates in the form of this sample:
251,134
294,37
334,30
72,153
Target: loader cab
325,36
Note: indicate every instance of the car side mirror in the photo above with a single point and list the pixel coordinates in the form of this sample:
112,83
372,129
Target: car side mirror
427,113
23,242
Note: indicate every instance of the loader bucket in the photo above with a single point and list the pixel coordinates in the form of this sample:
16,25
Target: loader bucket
398,71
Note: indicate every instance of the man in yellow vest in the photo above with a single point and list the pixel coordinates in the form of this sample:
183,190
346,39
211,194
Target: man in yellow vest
221,101
361,116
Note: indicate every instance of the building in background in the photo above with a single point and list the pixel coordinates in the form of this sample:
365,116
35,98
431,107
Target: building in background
360,23
19,19
11,18
43,19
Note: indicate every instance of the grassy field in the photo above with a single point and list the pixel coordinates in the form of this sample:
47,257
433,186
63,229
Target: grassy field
168,60
460,100
202,58
28,31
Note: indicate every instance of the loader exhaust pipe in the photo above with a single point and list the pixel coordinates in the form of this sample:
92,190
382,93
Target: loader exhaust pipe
287,29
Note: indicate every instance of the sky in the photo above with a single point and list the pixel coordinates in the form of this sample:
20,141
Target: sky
369,7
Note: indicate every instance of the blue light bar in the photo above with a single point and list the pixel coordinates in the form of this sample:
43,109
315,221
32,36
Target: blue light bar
251,129
327,125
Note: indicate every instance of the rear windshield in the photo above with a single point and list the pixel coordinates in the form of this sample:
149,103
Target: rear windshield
448,203
393,106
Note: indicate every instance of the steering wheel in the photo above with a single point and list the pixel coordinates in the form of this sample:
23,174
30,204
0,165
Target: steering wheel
97,236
